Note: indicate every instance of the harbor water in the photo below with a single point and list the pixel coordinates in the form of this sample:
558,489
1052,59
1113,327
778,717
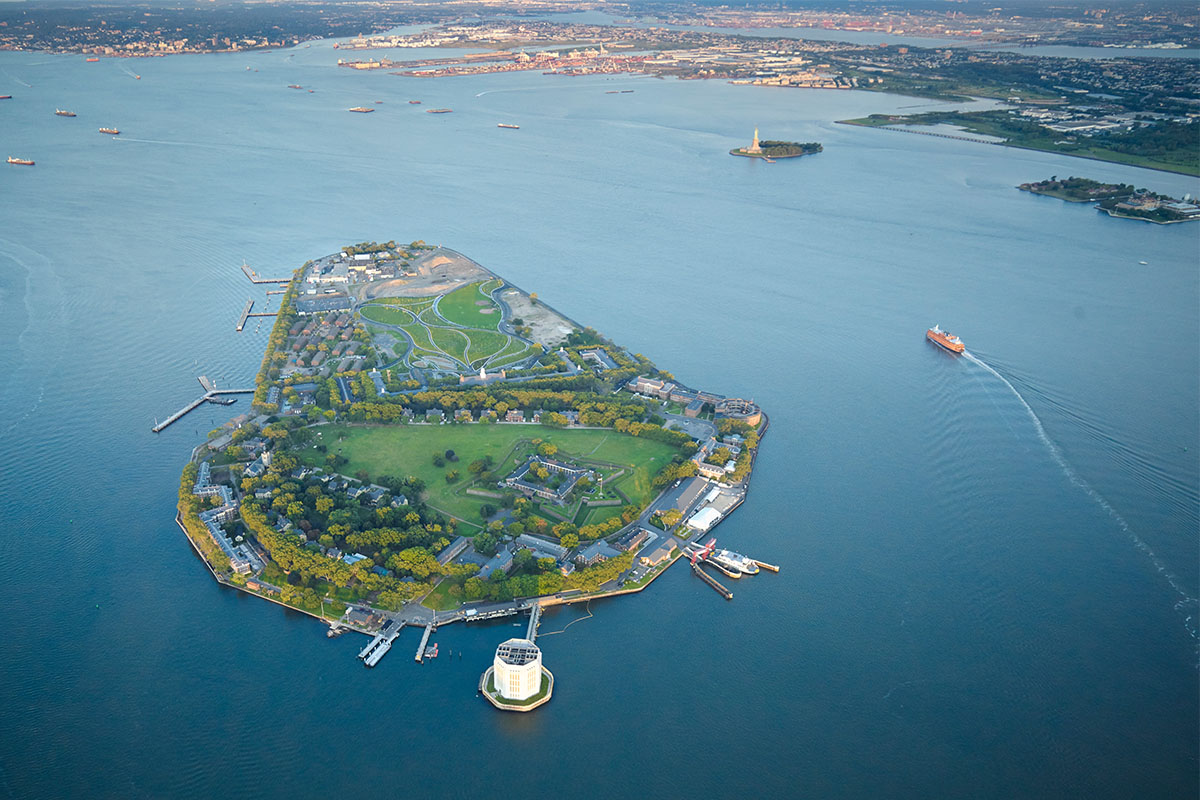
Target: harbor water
989,564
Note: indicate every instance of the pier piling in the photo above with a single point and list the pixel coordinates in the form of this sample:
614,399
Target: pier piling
711,581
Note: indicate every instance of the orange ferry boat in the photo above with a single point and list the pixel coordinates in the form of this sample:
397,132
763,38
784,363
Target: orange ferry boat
945,339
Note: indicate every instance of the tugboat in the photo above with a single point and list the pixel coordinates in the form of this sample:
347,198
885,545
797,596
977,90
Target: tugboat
25,162
62,113
945,339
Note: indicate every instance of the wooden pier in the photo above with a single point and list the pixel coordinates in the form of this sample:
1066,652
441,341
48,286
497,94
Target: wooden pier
241,323
535,617
711,581
211,395
420,658
254,277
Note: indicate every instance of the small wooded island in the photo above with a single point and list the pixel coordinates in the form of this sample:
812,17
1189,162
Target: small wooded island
1117,199
770,149
430,444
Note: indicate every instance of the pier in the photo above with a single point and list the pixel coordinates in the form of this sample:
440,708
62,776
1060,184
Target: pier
535,617
241,323
264,314
254,276
420,658
711,581
211,395
276,291
765,565
378,647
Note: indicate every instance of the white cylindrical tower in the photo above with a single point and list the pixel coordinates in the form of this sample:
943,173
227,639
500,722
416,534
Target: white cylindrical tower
517,669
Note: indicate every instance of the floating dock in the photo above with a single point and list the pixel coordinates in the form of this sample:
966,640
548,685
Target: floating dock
276,291
378,647
765,565
241,323
424,641
711,581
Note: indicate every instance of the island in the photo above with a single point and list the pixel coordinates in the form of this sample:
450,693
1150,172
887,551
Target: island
770,150
1118,199
430,444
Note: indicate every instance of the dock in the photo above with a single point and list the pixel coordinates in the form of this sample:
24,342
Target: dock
211,395
711,581
254,276
420,658
535,617
765,565
264,314
276,291
241,323
378,647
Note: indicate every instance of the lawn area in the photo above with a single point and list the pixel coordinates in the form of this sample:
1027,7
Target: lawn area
402,450
439,599
389,316
462,306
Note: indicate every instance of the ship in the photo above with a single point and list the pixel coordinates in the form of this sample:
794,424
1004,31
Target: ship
438,110
5,97
414,102
945,339
25,162
91,60
734,562
62,113
113,131
295,86
506,125
362,109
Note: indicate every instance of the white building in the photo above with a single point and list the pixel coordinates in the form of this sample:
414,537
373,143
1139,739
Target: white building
517,670
704,519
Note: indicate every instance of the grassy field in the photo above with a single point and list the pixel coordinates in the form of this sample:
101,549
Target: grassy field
460,328
462,306
403,450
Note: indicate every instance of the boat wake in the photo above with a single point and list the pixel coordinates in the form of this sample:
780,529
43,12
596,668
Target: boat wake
1186,604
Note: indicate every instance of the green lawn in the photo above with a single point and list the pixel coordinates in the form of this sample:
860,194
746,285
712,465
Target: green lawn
402,450
439,599
389,316
462,306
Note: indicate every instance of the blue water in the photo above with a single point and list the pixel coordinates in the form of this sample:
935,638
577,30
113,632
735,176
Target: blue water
989,564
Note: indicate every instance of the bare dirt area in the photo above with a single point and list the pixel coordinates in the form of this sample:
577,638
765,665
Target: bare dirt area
438,272
548,328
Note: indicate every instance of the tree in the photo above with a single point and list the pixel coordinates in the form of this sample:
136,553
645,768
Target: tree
452,476
547,449
487,510
569,540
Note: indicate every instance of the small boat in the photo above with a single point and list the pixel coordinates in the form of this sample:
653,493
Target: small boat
1143,263
61,113
431,651
310,91
362,109
112,131
91,60
295,86
378,102
414,102
438,110
945,339
510,127
627,91
612,91
5,97
25,162
139,77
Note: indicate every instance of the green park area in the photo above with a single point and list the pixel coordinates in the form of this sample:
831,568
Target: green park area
404,450
461,326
